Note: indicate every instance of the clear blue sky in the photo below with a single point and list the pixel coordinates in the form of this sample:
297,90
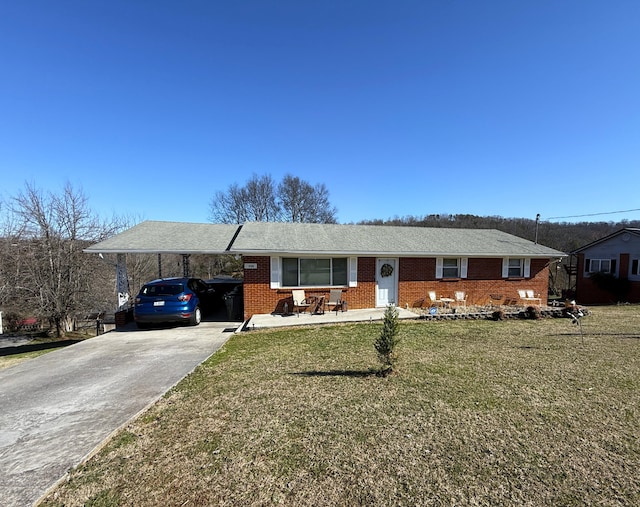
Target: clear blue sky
507,108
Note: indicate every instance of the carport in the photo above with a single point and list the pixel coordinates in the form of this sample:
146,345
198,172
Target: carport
154,237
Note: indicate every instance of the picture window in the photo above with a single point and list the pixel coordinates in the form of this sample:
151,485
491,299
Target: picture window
314,272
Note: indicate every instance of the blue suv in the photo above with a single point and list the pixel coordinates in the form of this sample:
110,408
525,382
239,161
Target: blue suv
173,300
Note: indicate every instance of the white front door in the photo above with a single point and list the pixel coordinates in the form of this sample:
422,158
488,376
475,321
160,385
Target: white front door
386,282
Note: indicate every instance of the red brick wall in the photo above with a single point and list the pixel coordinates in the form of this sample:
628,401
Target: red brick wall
587,293
416,276
258,296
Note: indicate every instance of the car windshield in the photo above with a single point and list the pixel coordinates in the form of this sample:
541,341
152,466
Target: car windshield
162,290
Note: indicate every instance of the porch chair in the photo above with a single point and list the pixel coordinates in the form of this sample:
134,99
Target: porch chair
434,299
495,300
532,297
461,298
300,301
335,300
529,297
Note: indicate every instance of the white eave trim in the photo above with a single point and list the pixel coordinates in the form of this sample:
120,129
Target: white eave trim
147,251
281,253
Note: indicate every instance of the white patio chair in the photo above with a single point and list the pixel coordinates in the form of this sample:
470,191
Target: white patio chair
300,301
434,298
528,296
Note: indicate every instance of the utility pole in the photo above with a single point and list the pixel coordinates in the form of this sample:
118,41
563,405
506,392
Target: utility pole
537,222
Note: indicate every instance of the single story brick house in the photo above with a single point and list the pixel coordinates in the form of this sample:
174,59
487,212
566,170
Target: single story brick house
373,265
608,270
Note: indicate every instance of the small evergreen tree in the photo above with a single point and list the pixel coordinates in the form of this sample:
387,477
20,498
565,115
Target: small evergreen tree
386,343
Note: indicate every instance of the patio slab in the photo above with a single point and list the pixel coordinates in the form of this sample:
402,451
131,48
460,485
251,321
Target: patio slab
272,320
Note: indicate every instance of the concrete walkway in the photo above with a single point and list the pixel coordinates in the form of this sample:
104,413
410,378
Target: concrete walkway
57,409
304,319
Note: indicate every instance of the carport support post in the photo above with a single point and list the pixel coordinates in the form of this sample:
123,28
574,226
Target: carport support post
122,281
185,265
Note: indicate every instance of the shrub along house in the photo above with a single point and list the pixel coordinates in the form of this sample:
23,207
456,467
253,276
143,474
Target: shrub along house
608,269
373,265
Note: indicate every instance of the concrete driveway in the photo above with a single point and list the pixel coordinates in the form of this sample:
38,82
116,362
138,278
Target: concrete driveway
56,409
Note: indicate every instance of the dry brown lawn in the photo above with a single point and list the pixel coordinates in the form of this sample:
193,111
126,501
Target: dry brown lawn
478,413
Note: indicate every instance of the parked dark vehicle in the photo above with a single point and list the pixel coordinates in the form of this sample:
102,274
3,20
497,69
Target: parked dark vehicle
173,300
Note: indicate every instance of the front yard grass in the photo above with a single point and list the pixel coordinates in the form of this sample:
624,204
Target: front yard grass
478,412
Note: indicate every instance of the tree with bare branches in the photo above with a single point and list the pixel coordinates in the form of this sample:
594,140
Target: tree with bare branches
45,234
254,202
260,200
304,203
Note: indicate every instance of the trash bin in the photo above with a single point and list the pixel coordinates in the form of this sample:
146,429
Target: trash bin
234,303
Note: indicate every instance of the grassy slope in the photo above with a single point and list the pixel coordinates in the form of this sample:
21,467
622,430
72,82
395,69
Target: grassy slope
490,413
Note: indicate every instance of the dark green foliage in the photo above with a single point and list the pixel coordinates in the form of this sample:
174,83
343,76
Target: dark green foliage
386,343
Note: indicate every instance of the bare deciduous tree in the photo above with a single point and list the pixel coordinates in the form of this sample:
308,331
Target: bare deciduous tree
256,202
259,200
301,202
48,233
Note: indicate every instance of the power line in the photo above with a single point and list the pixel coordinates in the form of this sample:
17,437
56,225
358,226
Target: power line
595,214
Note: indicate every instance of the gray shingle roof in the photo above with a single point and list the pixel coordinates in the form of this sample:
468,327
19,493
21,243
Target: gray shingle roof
264,238
169,237
260,237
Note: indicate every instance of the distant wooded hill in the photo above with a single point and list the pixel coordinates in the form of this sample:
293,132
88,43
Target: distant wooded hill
563,236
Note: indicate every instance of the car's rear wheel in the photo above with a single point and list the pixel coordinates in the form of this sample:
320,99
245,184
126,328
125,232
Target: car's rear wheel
196,317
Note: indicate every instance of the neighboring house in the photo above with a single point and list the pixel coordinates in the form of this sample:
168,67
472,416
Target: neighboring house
373,265
608,269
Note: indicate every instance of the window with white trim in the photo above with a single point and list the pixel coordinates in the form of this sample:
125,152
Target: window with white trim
451,267
516,267
635,269
314,272
601,265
